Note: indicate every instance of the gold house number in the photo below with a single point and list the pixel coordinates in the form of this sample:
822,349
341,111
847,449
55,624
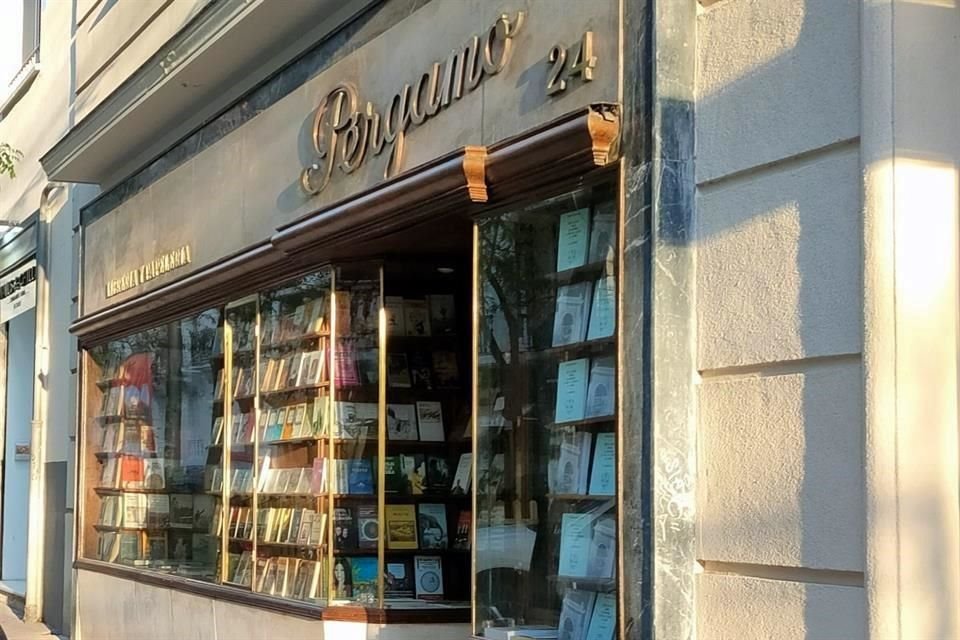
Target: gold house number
567,63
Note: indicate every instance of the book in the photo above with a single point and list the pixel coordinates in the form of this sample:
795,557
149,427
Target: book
368,526
110,473
432,526
294,371
312,369
602,234
604,619
603,481
158,511
438,474
603,309
343,302
344,529
131,437
575,536
575,613
393,311
401,422
573,463
130,546
153,477
443,318
416,317
394,479
131,472
156,546
573,239
446,375
490,474
414,469
461,540
401,526
134,510
601,391
571,390
318,476
398,373
430,421
461,480
364,574
420,374
359,476
600,557
181,510
398,579
570,317
203,508
429,577
347,373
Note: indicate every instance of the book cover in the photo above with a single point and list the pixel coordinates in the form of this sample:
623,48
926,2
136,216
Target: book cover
461,540
401,422
368,526
110,473
420,375
443,317
314,369
574,544
429,577
364,572
134,510
604,618
394,479
575,613
401,522
359,477
181,510
571,470
571,390
130,542
344,529
430,421
302,579
131,472
446,375
318,528
416,317
603,309
318,476
603,481
432,521
601,392
203,507
398,579
398,373
490,474
573,239
293,372
602,231
316,316
344,318
347,374
153,474
131,436
570,318
158,511
415,471
368,365
461,480
148,441
156,545
393,310
600,557
438,474
203,548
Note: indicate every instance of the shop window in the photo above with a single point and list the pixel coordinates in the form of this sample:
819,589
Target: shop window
546,477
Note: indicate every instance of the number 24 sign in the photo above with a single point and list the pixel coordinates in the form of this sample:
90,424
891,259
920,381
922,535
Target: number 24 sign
566,63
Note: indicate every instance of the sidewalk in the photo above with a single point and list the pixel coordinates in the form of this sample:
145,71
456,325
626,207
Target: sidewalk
13,628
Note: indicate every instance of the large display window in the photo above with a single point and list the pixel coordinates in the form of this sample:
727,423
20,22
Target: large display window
310,442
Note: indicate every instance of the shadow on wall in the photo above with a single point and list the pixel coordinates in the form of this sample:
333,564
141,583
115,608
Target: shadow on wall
799,82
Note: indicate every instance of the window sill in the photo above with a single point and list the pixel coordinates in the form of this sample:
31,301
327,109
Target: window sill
20,83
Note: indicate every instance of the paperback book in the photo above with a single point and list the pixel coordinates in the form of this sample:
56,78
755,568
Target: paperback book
573,239
571,390
429,577
430,420
432,520
401,422
571,315
401,521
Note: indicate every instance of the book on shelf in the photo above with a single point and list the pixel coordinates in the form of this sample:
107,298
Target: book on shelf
601,390
131,472
401,422
203,507
571,390
131,546
316,316
294,371
603,620
573,239
443,318
110,473
153,474
134,510
318,476
158,511
148,440
348,372
401,526
603,309
601,555
398,578
575,613
364,574
602,234
108,546
368,526
394,313
438,474
344,316
461,539
430,420
394,479
356,419
217,431
603,480
368,365
203,548
156,546
575,529
421,377
429,577
136,401
314,368
432,521
416,317
446,374
111,511
414,469
359,473
571,315
463,476
181,510
131,437
573,463
398,371
344,528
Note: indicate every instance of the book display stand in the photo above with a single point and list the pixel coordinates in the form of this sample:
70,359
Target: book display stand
547,422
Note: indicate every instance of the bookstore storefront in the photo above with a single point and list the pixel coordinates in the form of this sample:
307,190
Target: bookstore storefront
354,367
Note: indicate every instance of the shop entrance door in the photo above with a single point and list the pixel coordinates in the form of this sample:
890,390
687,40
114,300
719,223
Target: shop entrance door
18,378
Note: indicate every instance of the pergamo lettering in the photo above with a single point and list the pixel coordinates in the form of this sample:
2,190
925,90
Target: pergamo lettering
344,135
157,267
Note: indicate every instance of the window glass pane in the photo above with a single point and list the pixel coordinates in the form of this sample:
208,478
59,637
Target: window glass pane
546,450
150,407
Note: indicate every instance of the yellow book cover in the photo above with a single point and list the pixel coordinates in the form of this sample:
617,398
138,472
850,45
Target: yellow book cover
401,526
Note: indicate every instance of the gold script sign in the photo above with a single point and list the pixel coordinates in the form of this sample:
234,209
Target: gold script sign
146,272
344,134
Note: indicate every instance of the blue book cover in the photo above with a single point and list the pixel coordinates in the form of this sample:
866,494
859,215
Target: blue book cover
604,618
603,481
571,390
364,574
603,311
573,239
359,476
574,544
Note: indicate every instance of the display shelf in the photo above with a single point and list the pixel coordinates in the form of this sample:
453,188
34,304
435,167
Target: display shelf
599,585
297,341
577,497
587,423
572,351
584,273
305,389
108,527
111,491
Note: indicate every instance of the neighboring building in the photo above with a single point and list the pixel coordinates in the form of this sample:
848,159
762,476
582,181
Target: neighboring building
668,289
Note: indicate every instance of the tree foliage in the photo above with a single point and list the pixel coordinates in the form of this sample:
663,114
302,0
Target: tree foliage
8,160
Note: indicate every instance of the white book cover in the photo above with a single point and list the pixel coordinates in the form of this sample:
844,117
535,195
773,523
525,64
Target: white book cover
461,480
601,391
393,310
416,317
573,239
575,614
603,481
153,476
571,315
401,422
428,571
134,510
430,421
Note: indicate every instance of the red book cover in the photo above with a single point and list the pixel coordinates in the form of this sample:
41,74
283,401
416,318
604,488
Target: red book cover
131,472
